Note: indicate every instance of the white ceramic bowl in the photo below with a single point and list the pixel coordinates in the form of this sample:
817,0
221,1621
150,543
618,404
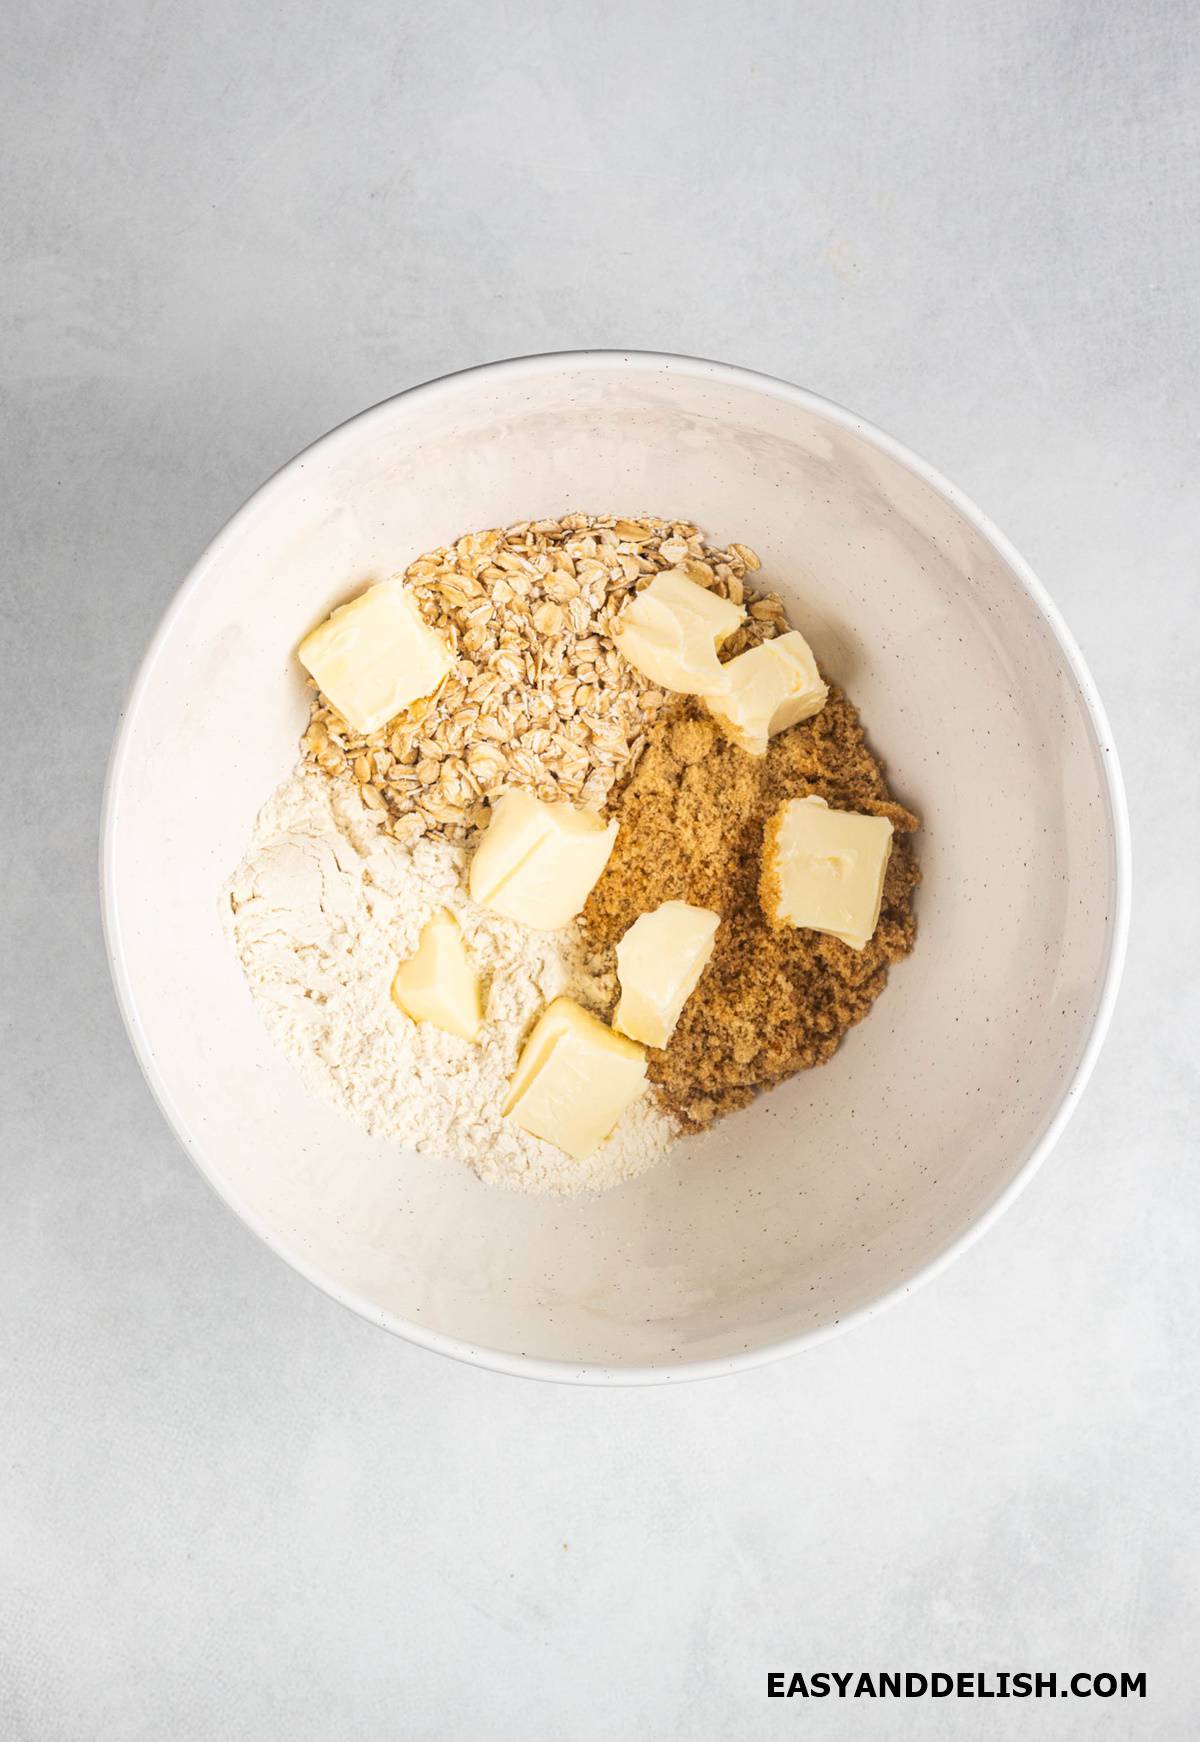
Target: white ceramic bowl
849,1184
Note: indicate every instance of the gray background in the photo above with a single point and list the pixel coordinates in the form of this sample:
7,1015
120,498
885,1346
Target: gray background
229,1509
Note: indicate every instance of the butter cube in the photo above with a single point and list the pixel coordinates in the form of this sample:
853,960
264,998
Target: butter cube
824,869
439,984
769,689
574,1079
538,863
375,656
671,633
659,962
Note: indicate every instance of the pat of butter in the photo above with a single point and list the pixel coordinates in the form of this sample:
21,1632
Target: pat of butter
439,984
538,863
375,656
769,689
574,1079
824,869
672,630
659,962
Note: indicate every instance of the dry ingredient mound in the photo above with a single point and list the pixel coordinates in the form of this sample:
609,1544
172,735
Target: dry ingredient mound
692,814
360,846
540,700
322,909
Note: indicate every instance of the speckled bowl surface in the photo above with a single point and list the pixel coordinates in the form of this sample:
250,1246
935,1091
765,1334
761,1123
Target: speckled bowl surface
847,1185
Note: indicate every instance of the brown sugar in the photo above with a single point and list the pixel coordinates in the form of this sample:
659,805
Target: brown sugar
692,814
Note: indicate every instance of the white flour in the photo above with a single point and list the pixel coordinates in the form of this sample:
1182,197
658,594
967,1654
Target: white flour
323,908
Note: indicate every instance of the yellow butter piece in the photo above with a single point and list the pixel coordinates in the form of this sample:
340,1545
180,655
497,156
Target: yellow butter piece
376,656
767,690
439,984
574,1079
824,869
538,863
672,630
659,963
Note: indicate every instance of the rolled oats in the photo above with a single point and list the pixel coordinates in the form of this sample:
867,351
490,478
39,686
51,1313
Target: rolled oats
540,700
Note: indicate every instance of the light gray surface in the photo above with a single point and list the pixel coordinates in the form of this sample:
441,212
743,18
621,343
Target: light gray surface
227,1507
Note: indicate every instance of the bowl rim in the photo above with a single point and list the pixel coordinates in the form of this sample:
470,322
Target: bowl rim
513,369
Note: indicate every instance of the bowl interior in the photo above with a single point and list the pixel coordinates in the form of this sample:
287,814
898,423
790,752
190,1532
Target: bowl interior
847,1182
